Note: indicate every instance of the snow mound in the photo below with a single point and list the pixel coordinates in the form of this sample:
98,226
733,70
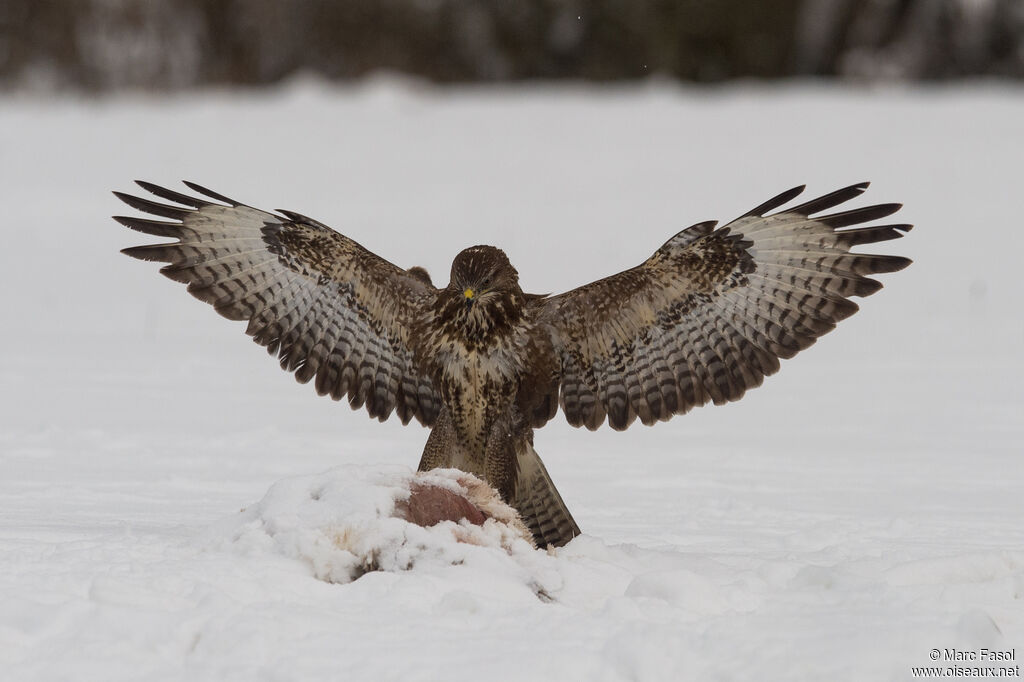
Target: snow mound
350,521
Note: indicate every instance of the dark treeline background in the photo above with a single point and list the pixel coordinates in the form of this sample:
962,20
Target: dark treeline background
158,44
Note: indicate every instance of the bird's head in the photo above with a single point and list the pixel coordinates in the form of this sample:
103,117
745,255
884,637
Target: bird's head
481,274
483,283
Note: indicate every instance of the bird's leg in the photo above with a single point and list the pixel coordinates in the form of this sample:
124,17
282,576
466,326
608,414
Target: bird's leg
437,453
500,464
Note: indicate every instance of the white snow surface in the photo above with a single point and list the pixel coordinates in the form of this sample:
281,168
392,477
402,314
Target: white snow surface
863,507
348,521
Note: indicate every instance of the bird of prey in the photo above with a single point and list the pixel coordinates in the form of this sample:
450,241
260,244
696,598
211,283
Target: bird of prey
483,364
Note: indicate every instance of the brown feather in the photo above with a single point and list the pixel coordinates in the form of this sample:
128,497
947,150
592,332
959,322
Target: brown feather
313,297
708,316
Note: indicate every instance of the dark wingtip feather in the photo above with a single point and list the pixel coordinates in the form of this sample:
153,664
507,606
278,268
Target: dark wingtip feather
171,195
164,253
858,215
152,207
843,309
829,200
154,227
880,264
874,265
866,287
210,193
870,235
775,202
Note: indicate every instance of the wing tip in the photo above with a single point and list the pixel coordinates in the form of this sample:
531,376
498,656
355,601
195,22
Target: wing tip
897,263
138,252
209,193
855,216
775,202
156,228
830,200
153,207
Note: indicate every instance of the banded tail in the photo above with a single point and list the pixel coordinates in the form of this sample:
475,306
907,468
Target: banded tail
538,502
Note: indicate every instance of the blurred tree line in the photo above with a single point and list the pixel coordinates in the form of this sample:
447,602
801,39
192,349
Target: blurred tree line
108,44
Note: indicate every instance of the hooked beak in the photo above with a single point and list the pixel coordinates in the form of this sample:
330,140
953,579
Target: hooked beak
469,294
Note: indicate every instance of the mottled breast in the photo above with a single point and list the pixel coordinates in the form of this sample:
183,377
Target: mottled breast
479,383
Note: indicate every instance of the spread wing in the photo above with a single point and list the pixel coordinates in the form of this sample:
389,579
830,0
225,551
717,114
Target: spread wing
711,312
327,307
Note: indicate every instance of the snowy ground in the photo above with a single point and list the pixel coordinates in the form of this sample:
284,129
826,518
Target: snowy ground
862,508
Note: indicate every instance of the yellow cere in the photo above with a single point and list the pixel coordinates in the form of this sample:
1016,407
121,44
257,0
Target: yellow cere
468,293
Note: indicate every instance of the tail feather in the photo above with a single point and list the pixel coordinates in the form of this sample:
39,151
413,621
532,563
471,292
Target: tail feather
538,502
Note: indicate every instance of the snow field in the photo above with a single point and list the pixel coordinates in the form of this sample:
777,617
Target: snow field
861,508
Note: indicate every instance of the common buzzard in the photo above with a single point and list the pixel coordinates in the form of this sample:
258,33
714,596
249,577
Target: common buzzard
483,364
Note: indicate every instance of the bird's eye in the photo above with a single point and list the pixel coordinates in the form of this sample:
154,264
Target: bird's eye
486,282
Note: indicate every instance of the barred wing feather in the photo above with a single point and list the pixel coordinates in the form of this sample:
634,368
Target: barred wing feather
327,307
710,314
